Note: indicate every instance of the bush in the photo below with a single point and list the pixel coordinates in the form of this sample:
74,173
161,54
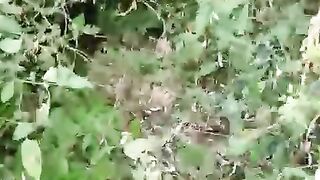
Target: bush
196,89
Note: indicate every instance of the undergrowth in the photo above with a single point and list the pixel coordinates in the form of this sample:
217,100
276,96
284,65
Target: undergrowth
193,89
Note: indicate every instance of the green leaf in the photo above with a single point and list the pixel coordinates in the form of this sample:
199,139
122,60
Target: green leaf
296,113
9,45
7,91
239,145
31,158
23,130
281,31
206,69
232,110
240,53
9,25
204,15
192,155
135,128
226,7
188,47
63,76
243,21
78,22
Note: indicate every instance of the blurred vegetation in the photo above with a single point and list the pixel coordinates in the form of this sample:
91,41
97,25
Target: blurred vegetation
150,89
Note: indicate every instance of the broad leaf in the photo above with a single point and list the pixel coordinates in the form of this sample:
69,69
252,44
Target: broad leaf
23,130
63,76
7,91
9,45
135,128
205,15
78,22
31,158
9,25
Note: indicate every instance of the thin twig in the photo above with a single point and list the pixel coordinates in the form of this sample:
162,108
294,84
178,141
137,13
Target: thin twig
80,53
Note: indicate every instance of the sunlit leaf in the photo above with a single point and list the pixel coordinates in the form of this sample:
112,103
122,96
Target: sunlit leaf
23,130
192,155
244,23
9,25
9,45
31,158
63,76
135,128
206,69
78,22
205,14
239,145
7,91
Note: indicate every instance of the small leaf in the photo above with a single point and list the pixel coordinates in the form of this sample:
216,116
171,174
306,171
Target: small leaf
192,155
243,22
65,77
135,128
50,75
23,130
7,91
31,158
78,22
239,145
9,25
204,15
206,68
9,45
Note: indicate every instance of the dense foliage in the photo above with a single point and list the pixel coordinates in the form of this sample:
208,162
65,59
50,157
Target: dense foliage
150,89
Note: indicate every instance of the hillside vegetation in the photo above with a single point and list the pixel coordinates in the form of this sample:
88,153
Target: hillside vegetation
159,89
